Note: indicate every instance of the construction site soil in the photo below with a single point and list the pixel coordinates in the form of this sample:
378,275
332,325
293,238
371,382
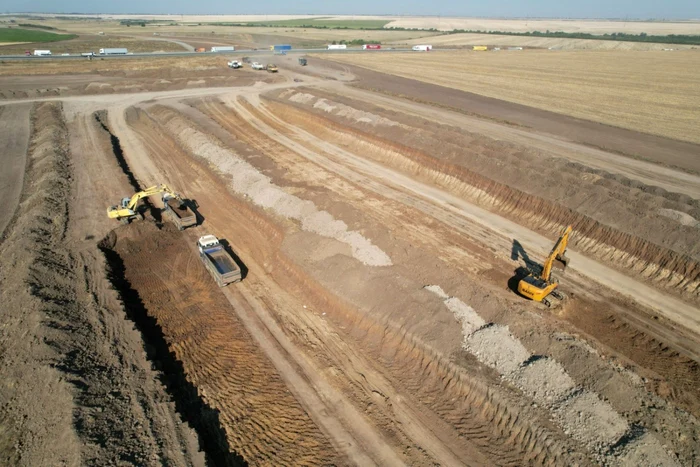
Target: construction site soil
376,323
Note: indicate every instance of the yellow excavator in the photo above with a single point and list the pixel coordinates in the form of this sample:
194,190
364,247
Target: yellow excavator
126,211
540,286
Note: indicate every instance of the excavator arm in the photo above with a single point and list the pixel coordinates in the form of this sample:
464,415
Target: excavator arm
557,253
162,188
126,210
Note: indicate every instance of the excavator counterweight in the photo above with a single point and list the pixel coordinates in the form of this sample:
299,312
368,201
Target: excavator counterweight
539,286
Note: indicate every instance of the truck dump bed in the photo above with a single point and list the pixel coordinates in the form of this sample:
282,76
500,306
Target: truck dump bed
181,215
221,265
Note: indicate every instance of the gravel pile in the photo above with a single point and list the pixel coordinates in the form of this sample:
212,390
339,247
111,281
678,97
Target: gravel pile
247,180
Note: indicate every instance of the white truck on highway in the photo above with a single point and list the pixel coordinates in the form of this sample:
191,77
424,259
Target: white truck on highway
258,66
216,259
422,48
337,46
114,51
226,48
42,53
235,64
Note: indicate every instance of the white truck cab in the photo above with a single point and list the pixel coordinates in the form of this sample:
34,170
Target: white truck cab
207,241
235,64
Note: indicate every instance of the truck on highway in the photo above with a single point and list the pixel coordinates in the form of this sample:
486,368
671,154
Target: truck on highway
42,53
216,259
422,48
223,48
114,51
371,47
337,46
281,48
179,213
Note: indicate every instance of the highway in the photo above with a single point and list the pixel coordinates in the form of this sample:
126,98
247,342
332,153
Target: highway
187,54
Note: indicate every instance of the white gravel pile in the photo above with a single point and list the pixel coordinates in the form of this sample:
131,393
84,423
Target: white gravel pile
246,180
587,418
582,414
341,110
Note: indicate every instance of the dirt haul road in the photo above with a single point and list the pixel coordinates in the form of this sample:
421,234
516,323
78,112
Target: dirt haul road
374,325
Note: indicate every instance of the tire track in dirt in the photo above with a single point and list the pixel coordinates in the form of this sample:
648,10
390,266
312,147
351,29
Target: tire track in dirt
260,419
482,428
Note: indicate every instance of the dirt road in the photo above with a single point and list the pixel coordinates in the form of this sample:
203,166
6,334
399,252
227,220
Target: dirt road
14,141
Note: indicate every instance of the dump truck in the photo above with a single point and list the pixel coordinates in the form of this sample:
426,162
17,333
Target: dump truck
216,259
179,212
114,51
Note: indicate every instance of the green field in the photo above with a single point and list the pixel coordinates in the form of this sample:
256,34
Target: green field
324,23
27,35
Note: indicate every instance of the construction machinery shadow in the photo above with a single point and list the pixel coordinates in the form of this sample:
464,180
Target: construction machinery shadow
517,253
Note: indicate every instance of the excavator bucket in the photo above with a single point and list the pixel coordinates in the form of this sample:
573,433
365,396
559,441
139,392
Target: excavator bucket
561,262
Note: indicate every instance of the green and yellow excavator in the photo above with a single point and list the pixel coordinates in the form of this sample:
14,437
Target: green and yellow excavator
127,210
540,286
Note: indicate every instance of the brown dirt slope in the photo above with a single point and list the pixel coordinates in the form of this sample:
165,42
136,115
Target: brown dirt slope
77,387
672,270
13,149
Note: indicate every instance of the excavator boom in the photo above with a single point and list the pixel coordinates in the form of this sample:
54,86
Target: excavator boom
557,253
126,211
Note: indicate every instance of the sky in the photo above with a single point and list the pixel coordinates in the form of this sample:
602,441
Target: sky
631,9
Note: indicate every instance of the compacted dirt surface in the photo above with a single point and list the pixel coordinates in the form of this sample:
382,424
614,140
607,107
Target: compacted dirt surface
381,236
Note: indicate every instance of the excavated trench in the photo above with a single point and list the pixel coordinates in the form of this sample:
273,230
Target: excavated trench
188,402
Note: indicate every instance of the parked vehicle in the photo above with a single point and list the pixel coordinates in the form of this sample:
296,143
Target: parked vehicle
302,61
257,66
235,64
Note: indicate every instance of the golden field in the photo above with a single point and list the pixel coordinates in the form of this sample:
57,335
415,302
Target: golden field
653,92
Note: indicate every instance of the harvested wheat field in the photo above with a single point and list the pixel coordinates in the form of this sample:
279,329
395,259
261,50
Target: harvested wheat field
379,227
651,92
